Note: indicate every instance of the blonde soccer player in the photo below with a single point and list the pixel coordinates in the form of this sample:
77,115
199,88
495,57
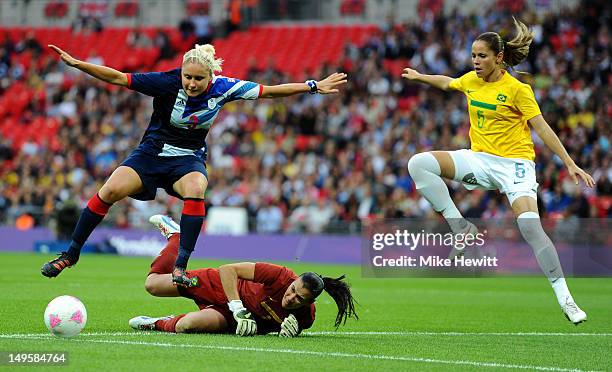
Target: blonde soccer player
172,153
501,157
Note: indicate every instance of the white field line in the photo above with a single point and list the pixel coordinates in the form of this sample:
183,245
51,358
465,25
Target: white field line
416,333
320,354
341,333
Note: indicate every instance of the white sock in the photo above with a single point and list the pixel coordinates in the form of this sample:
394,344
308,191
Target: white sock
531,229
562,292
425,171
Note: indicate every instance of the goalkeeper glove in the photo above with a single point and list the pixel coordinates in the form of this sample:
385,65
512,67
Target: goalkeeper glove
289,327
246,324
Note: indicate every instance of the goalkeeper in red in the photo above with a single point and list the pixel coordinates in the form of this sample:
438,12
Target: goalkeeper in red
244,298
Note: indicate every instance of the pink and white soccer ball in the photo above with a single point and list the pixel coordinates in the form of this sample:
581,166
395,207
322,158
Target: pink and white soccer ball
65,316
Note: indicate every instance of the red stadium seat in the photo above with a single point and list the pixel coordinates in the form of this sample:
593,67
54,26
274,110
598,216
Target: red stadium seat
395,66
127,9
197,7
352,7
93,8
56,9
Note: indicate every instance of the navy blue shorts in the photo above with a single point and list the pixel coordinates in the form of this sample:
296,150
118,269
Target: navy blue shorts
162,171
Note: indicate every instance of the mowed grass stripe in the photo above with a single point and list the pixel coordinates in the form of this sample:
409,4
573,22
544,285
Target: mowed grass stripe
322,354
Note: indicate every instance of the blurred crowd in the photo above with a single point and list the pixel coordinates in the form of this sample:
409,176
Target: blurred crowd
325,164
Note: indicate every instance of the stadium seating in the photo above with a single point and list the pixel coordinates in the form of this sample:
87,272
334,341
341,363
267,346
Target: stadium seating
352,7
126,9
295,49
197,7
393,118
56,9
290,46
93,8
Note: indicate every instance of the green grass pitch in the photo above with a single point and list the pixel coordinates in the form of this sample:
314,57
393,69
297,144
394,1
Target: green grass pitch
405,324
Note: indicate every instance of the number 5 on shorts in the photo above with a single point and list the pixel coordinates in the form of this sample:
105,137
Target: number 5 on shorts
520,170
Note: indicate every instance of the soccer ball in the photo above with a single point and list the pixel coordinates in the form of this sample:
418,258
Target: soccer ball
65,316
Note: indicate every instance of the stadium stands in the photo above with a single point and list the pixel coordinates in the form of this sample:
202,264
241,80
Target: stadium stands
341,157
197,6
126,9
56,9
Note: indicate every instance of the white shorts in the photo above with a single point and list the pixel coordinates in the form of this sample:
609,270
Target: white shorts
479,170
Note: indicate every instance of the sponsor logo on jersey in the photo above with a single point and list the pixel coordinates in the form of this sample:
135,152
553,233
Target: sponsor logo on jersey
501,97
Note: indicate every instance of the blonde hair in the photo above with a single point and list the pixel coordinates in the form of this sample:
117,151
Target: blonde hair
205,56
515,50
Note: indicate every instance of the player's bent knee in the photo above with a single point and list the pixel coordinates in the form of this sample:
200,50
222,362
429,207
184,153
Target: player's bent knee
194,192
413,163
195,186
182,326
530,226
151,285
111,194
421,165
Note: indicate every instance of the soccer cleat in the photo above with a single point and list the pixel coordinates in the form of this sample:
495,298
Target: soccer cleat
165,224
54,267
179,277
470,228
572,312
146,323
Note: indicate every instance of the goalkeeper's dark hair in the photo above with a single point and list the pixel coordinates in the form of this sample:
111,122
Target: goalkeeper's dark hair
515,50
337,288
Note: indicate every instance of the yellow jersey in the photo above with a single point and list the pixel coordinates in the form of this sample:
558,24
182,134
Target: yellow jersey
499,112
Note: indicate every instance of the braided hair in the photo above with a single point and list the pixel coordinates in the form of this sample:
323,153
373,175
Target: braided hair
337,288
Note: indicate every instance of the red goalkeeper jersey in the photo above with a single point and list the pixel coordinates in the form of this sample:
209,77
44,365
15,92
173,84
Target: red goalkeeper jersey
262,296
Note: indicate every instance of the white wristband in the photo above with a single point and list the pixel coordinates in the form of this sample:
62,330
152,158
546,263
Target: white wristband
235,305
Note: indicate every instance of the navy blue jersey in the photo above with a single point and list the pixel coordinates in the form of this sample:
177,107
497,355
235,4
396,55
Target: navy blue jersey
180,123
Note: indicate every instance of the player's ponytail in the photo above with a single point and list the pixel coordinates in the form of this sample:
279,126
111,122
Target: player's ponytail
515,50
338,289
205,56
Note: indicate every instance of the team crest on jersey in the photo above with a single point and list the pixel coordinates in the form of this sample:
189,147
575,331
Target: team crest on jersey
211,103
501,97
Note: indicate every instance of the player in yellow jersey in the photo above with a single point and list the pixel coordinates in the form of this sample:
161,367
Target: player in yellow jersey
501,108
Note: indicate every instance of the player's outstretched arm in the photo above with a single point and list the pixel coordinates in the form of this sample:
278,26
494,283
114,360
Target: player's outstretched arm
103,73
551,140
438,81
329,85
